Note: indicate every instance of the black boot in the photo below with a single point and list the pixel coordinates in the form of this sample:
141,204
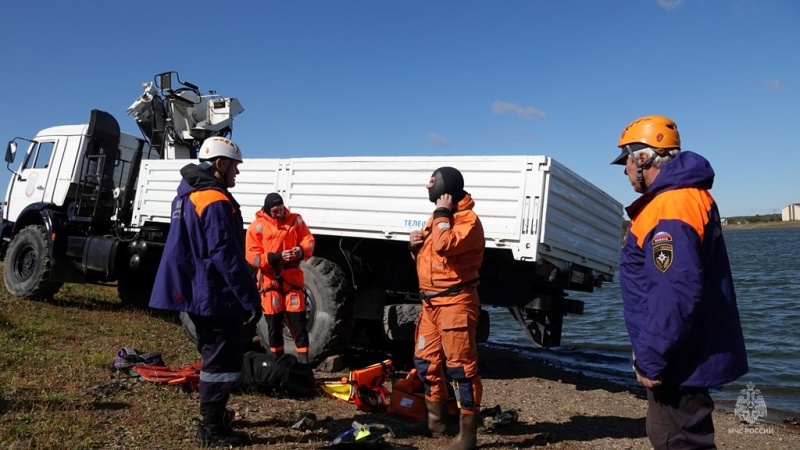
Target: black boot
467,438
302,358
211,430
435,424
224,419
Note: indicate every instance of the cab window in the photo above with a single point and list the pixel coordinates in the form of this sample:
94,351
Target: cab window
39,156
43,155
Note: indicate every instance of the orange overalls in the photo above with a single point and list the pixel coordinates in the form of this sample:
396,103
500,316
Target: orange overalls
447,266
281,283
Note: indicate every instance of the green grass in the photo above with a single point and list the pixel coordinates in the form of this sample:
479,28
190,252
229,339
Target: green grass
57,389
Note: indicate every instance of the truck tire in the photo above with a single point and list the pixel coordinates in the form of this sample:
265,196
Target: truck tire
400,321
27,265
329,308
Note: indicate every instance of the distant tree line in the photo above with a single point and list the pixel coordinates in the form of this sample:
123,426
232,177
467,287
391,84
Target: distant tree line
755,219
738,219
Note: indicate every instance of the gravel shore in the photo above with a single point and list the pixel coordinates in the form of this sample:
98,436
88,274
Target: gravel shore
556,408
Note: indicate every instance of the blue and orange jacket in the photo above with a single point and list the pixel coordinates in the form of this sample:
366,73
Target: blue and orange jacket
451,253
677,288
203,270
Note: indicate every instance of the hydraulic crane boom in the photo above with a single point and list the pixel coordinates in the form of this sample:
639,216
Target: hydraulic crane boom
175,121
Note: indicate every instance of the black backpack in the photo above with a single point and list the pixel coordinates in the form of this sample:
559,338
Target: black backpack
284,376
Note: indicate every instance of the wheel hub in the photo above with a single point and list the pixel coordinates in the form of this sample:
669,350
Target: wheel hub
25,264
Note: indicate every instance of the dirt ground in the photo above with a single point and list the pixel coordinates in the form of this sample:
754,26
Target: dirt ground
555,408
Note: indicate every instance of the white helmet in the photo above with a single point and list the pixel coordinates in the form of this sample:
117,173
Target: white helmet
219,147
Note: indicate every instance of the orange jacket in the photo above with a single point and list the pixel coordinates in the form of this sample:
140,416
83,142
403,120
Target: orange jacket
267,236
451,253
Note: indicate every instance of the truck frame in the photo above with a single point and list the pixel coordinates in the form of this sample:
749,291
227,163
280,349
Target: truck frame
90,204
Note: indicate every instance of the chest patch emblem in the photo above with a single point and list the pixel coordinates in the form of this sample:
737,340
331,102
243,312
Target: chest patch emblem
663,254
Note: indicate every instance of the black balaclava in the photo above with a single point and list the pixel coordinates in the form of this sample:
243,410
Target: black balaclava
273,199
448,180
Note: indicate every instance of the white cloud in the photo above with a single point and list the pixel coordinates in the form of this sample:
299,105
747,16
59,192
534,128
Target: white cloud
525,112
437,140
773,85
669,5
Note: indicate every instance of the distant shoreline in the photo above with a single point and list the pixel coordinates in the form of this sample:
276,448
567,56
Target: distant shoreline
753,225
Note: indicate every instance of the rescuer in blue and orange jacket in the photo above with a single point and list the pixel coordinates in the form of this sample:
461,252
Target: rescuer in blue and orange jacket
203,272
677,289
448,253
277,241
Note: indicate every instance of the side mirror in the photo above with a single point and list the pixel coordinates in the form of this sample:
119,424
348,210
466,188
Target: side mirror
11,151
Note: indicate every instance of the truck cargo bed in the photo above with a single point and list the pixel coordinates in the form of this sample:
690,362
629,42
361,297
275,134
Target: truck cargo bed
532,206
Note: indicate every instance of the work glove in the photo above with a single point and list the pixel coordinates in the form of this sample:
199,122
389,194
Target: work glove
274,259
255,316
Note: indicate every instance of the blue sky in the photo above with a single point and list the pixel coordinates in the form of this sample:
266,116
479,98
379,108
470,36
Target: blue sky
333,78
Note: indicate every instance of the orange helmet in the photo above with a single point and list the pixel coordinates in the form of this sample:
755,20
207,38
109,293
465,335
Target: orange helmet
651,131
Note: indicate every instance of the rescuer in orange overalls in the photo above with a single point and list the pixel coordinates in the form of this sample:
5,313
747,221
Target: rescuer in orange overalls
449,252
277,240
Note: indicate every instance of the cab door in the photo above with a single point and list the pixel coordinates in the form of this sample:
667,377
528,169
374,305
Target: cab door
27,186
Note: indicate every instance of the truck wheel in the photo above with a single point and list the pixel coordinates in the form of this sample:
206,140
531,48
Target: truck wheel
27,265
329,308
400,321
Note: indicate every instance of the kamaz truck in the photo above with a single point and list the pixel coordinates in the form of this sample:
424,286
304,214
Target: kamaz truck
91,204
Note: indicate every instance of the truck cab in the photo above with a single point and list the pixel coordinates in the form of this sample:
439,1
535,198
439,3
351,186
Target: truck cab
69,196
50,169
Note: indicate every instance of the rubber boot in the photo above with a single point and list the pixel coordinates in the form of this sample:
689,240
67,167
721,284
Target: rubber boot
277,354
302,358
210,431
225,419
435,425
467,438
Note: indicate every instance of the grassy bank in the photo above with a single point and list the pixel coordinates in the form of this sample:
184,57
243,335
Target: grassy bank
56,385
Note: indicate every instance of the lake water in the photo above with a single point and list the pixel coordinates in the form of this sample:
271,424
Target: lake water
766,270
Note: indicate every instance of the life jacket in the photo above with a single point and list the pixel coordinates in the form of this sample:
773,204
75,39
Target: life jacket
364,387
373,375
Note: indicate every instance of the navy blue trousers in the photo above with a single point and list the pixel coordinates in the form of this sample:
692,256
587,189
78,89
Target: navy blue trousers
221,346
679,418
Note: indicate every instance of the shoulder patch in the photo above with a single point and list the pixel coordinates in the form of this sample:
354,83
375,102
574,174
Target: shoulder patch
663,255
661,237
